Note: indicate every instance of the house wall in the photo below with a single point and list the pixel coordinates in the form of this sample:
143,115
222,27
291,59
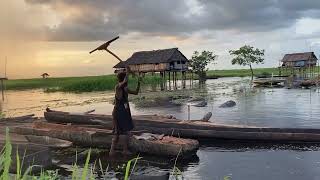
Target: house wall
159,67
179,65
302,63
149,67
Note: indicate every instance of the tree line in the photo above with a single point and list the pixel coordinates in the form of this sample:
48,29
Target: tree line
244,56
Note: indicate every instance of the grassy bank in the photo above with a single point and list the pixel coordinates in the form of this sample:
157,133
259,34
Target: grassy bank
241,72
75,84
107,82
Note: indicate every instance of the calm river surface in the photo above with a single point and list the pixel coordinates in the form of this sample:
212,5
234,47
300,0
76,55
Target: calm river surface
277,107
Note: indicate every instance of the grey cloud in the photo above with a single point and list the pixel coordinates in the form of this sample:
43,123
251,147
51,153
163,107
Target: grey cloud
100,19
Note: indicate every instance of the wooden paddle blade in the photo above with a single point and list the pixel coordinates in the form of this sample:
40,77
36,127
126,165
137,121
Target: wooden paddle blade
104,45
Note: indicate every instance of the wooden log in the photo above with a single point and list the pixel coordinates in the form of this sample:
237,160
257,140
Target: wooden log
18,118
162,122
236,135
93,137
191,129
21,119
49,141
168,145
79,137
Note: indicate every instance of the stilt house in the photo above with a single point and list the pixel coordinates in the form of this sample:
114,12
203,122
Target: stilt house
299,60
300,64
167,62
156,61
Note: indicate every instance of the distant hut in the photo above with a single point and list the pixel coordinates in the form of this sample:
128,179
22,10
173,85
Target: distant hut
45,75
164,61
299,60
303,62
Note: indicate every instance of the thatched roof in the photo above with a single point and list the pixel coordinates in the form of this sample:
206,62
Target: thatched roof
299,57
120,65
153,57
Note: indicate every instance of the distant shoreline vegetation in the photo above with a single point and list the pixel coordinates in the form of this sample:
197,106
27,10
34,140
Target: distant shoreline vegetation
107,82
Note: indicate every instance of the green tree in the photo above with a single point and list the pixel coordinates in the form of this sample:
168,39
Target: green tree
199,62
246,56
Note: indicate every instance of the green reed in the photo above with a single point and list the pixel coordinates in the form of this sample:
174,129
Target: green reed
88,171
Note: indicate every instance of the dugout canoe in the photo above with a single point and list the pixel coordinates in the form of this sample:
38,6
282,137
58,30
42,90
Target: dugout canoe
194,129
102,138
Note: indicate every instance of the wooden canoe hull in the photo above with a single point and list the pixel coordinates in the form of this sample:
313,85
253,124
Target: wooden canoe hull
195,130
102,138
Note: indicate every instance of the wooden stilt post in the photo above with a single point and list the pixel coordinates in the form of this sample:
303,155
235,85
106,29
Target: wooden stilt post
190,79
175,80
184,79
2,90
169,81
2,87
162,81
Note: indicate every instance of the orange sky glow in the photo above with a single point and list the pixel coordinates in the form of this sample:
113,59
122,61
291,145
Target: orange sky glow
38,36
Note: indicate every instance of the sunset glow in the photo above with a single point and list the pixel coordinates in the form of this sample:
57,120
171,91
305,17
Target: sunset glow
56,36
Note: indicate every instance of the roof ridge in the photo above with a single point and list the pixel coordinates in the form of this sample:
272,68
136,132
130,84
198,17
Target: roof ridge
155,50
172,53
300,53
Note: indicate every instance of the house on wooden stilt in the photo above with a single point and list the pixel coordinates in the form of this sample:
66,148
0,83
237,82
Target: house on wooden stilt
170,64
301,65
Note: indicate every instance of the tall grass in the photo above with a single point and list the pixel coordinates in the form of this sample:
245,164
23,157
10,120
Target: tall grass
107,82
87,171
5,158
76,84
241,72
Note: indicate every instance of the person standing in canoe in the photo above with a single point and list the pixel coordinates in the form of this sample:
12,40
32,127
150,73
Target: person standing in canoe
122,120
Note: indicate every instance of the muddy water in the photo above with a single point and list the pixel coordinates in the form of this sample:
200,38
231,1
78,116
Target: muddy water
216,160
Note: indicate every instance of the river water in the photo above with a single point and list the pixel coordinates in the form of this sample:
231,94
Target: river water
276,107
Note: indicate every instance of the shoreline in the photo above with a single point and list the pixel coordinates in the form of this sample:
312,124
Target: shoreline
107,82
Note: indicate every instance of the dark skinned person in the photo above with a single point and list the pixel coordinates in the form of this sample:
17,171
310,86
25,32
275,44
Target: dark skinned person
122,120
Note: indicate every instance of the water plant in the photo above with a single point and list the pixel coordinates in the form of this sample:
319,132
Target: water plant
87,172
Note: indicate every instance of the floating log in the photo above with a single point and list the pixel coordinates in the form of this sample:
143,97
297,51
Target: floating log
194,129
94,137
268,81
21,119
49,141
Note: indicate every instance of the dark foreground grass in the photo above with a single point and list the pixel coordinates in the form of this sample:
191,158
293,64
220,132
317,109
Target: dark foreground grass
90,170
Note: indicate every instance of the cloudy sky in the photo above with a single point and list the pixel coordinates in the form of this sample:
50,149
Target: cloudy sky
55,36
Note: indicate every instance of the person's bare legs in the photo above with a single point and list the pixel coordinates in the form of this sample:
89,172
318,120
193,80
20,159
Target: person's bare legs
126,145
114,143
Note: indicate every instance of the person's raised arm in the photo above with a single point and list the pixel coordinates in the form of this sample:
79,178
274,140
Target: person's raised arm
125,80
136,91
